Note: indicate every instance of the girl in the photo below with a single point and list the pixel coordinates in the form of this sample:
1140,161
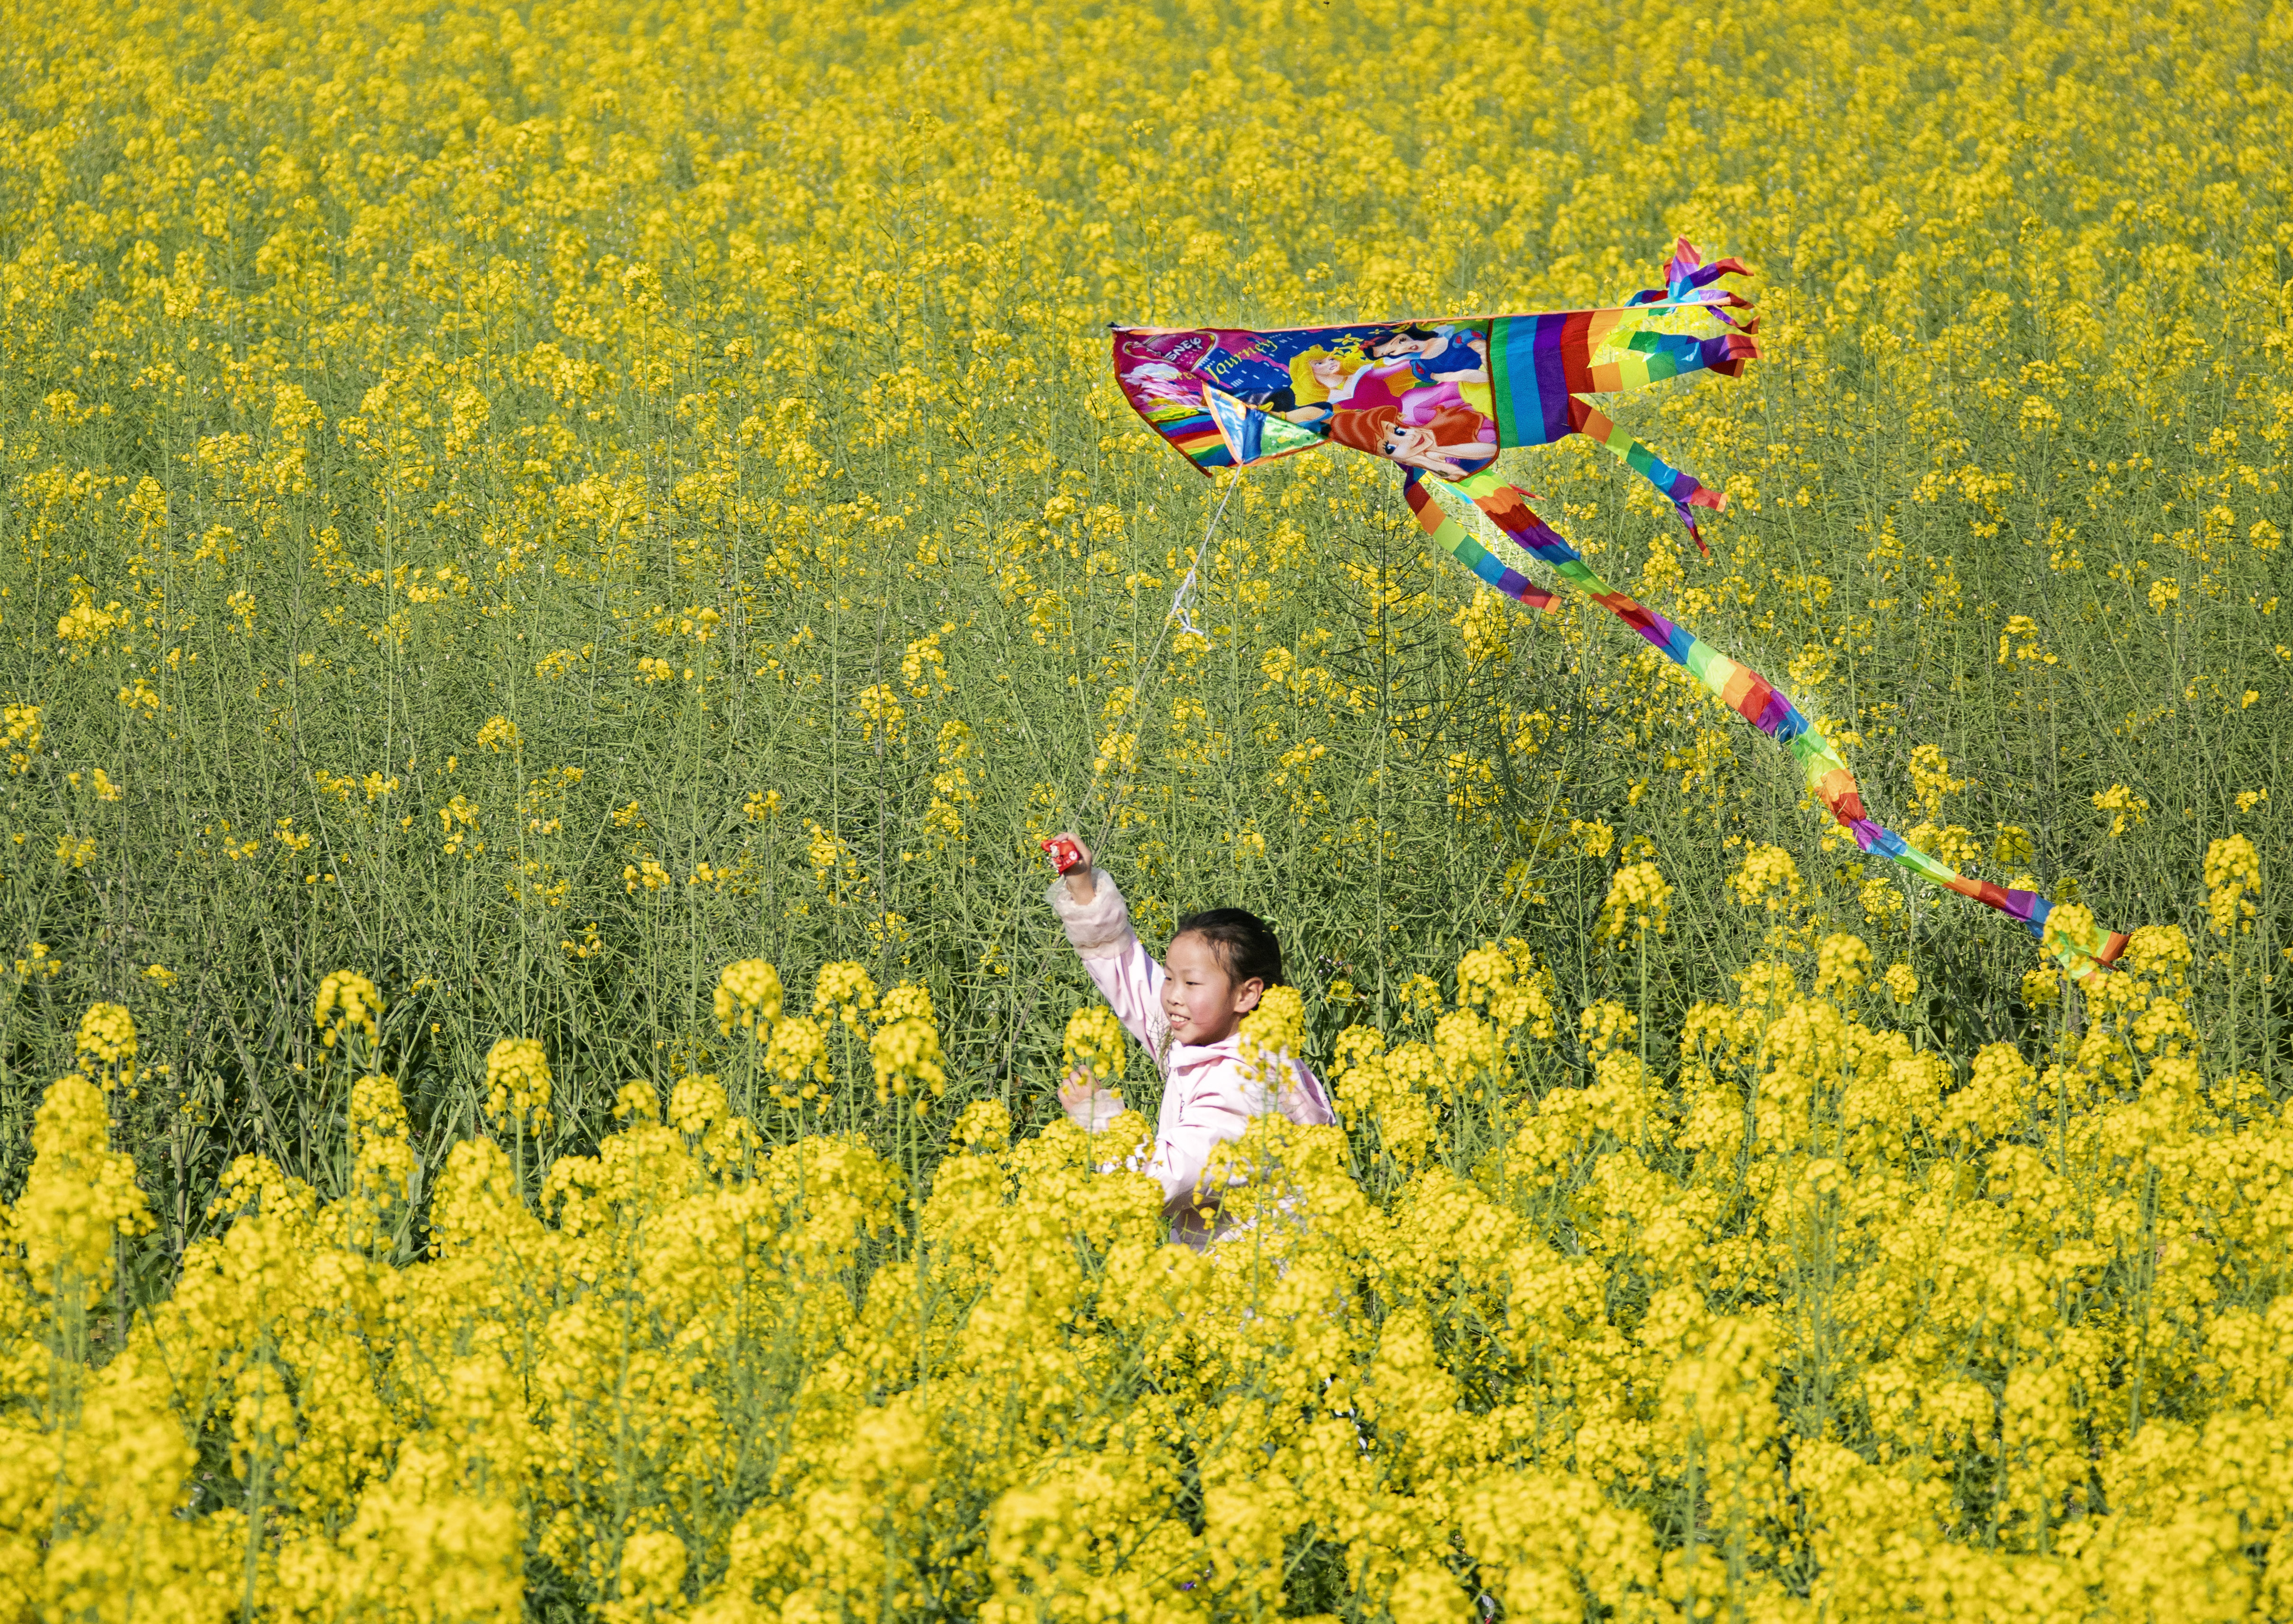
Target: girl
1189,1017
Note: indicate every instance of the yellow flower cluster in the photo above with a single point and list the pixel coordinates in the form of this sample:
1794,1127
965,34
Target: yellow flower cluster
1097,1044
106,1040
518,1084
1638,902
1273,1035
80,1196
2232,880
1807,1322
748,996
497,735
904,1049
347,1003
1769,879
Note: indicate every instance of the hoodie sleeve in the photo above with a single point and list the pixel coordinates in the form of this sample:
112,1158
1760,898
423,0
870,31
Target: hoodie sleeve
1126,977
1307,1101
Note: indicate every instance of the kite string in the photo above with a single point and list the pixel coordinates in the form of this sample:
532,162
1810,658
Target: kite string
1204,554
1182,612
1179,611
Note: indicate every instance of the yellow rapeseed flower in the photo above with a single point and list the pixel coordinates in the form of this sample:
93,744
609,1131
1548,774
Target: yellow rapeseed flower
518,1083
1842,964
748,996
1769,879
2232,873
1639,901
106,1042
498,734
80,1197
1096,1042
347,1002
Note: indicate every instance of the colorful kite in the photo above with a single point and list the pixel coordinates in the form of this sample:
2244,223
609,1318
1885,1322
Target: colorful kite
1443,398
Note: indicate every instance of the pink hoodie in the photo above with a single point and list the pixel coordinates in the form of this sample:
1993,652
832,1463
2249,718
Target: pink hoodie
1208,1098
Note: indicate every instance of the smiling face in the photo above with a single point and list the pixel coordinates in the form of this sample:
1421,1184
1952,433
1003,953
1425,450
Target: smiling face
1202,1002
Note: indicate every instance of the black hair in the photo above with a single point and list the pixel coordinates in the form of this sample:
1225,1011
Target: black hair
1244,943
1415,330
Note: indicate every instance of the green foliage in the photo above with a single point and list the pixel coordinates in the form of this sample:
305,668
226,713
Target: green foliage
538,508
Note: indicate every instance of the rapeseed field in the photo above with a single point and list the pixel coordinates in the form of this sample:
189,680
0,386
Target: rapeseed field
557,561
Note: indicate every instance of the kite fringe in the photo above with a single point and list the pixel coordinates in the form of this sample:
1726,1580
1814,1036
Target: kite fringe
1688,281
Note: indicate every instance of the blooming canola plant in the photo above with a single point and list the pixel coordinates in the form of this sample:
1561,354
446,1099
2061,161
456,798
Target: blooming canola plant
557,561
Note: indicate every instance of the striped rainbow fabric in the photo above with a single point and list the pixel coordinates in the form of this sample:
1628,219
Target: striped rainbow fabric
1541,366
1741,689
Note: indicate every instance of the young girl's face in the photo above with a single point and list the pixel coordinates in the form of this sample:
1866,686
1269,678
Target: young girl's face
1202,1002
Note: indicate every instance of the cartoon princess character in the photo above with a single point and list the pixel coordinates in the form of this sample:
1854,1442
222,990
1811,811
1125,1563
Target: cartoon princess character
1363,388
1452,443
1447,353
1450,364
1313,374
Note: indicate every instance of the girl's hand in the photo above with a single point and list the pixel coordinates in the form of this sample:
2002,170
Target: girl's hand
1293,1102
1088,1106
1082,882
1283,1096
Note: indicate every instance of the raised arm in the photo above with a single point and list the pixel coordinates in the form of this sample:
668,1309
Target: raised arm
1099,928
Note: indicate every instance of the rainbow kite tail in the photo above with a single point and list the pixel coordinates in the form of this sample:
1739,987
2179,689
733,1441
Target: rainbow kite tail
1462,544
1650,358
1683,491
2082,950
